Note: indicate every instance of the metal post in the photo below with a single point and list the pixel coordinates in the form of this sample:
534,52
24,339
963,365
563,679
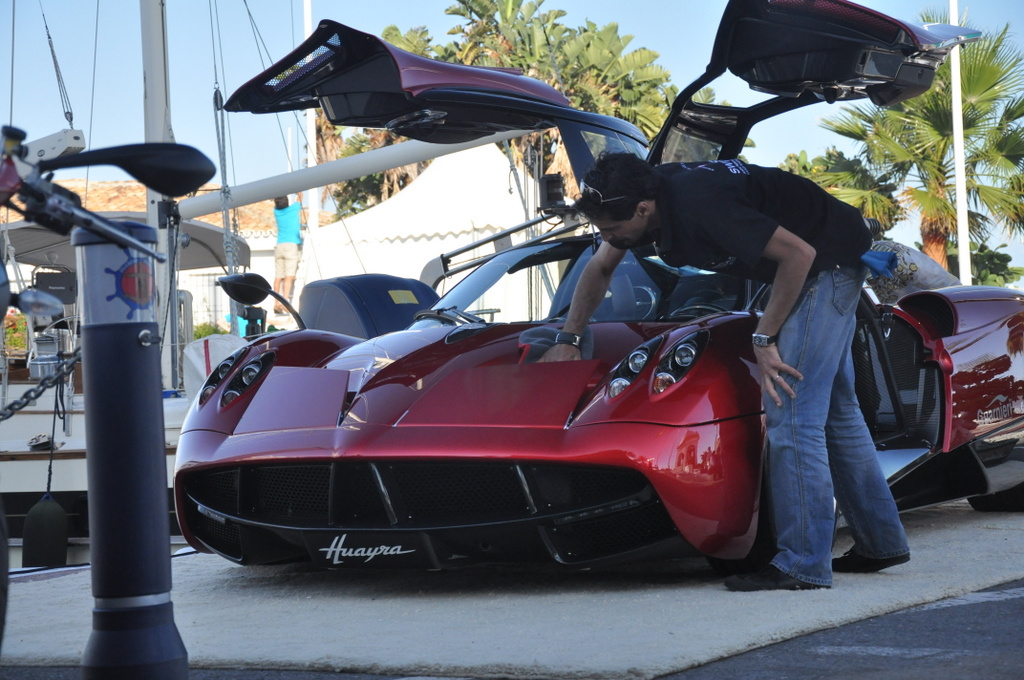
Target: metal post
133,635
959,161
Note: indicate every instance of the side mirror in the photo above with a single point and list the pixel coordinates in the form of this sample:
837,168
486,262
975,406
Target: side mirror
251,289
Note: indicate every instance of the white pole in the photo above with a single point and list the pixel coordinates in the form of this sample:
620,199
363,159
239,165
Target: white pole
313,195
367,163
959,164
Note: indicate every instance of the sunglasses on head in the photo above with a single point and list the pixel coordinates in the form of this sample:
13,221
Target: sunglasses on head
595,197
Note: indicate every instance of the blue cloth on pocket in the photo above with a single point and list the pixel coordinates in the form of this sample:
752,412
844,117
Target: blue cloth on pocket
880,263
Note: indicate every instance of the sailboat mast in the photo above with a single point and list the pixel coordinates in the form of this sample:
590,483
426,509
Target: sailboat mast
157,121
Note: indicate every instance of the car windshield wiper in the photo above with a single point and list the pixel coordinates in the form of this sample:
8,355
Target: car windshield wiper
453,314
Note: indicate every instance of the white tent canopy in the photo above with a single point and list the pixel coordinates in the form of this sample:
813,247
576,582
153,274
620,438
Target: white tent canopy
458,199
35,245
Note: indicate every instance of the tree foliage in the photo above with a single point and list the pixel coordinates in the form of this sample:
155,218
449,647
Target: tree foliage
911,144
989,267
871,190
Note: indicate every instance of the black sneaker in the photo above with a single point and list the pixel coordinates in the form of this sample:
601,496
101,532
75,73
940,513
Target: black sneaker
855,563
768,578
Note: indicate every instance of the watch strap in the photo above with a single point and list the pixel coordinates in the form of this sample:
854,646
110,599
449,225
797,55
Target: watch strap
567,338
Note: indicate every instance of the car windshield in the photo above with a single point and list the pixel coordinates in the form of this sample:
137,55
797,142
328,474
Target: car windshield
535,283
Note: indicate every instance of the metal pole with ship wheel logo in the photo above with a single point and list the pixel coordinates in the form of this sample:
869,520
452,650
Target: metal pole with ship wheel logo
134,634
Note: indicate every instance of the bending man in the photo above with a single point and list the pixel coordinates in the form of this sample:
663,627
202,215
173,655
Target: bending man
779,228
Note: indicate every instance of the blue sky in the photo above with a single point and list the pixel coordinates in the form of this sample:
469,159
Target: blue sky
107,100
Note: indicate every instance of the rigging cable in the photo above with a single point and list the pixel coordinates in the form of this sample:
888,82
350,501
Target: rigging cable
220,122
92,92
64,99
60,413
514,172
261,49
217,49
10,112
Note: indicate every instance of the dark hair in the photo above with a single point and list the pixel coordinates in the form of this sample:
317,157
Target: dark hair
281,202
614,185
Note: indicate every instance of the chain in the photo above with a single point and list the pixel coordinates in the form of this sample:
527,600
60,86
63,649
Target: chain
67,366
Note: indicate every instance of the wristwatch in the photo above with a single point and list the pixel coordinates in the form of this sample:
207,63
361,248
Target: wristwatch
762,340
566,338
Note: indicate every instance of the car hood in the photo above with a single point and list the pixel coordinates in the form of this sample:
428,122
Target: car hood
473,376
476,377
469,376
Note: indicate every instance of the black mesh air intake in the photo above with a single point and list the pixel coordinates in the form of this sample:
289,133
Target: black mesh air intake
222,536
573,513
612,534
443,493
291,494
408,494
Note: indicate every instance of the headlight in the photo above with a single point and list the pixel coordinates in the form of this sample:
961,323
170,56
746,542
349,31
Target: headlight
617,387
247,377
224,367
662,382
250,372
679,361
685,355
637,360
219,373
630,367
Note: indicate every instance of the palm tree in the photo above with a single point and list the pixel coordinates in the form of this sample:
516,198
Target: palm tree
851,181
912,144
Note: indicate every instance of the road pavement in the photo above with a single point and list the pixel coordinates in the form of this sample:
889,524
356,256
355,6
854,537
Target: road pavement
667,621
967,637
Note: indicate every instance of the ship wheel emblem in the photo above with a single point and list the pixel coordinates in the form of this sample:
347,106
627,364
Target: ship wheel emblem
133,284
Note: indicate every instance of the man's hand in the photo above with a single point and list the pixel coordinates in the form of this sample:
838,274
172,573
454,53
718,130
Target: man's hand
775,373
590,291
560,353
794,257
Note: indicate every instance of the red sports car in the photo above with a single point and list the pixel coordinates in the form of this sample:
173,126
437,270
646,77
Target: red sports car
372,438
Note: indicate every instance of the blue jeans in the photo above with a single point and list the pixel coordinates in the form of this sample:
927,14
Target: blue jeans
818,444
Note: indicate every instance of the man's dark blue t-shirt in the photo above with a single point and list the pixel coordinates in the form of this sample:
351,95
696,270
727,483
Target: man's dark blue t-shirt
720,215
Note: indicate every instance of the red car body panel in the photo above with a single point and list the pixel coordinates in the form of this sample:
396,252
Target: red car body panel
977,335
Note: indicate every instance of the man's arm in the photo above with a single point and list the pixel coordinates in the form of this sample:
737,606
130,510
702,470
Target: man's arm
590,291
794,257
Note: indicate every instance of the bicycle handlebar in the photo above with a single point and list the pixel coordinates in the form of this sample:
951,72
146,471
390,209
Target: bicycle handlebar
58,210
171,169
